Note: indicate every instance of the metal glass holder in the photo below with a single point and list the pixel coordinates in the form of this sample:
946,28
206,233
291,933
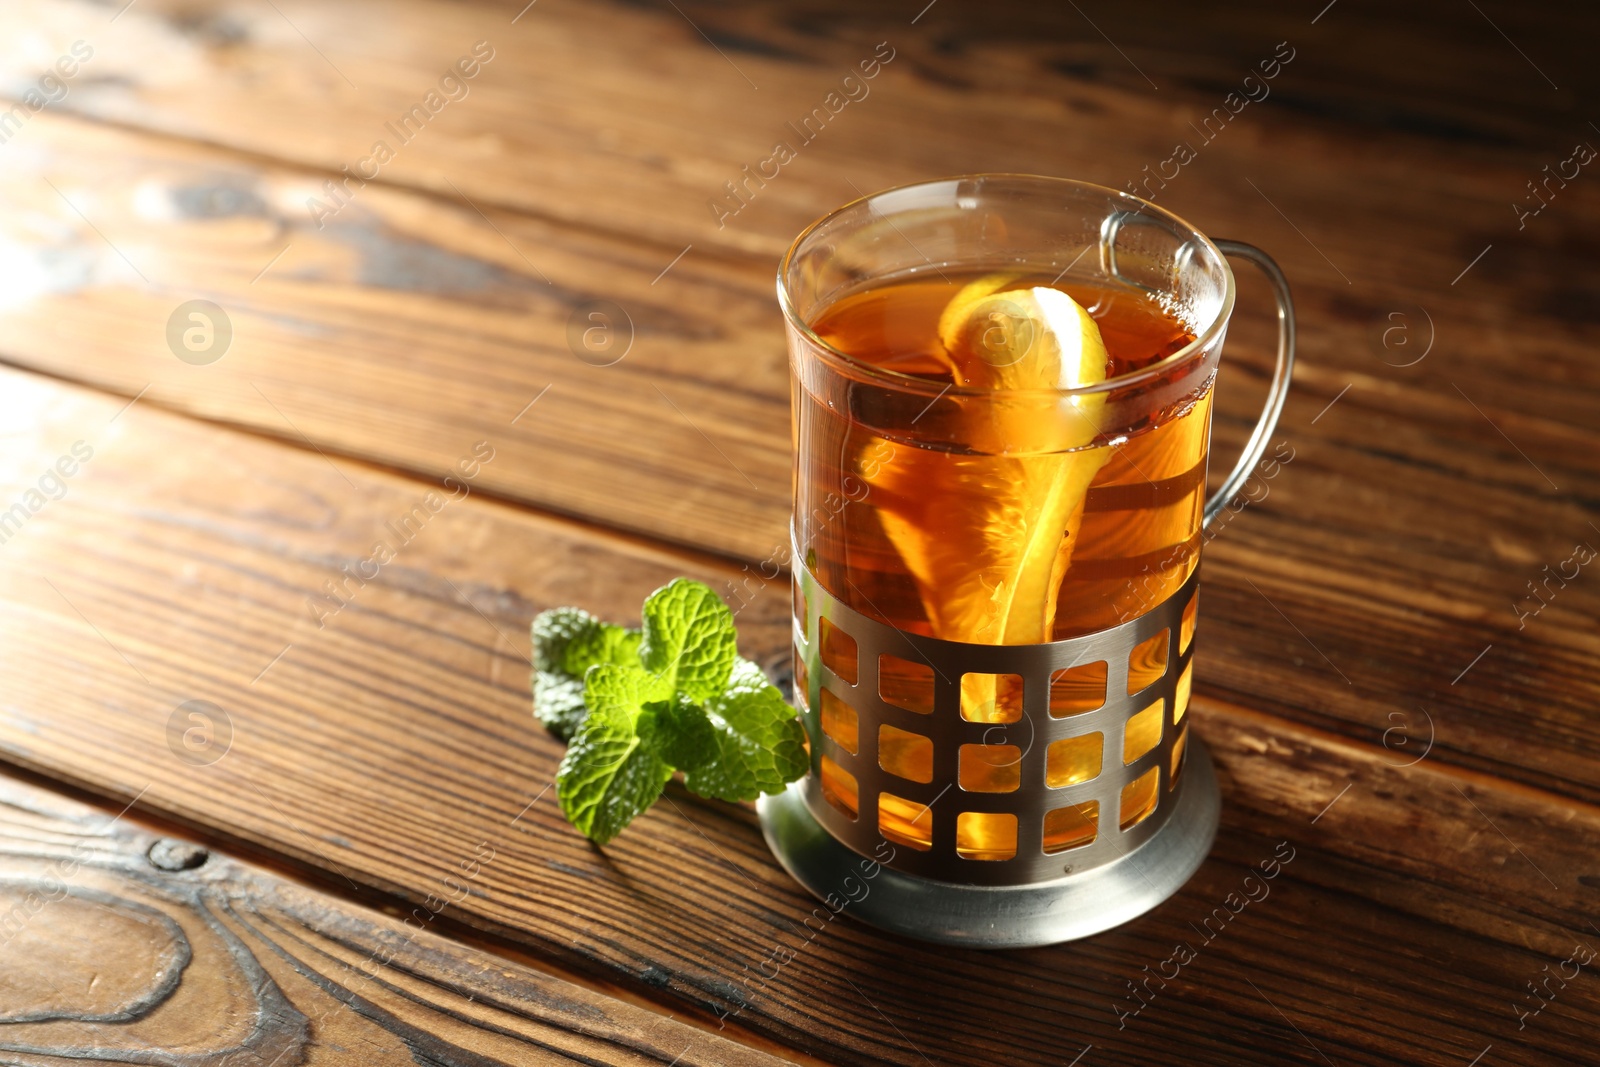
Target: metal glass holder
1138,852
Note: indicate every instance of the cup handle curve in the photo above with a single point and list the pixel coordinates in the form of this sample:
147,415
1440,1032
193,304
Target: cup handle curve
1279,390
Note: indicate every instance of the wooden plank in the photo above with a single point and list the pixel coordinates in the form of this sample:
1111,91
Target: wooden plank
126,946
384,746
1398,542
632,117
401,333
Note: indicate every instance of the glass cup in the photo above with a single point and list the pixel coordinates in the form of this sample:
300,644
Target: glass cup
995,580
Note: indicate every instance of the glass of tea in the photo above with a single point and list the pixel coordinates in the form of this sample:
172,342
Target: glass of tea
1002,409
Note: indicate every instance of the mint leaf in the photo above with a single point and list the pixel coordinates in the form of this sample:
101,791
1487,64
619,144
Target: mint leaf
758,745
603,644
689,638
609,775
566,643
570,640
553,631
558,702
679,731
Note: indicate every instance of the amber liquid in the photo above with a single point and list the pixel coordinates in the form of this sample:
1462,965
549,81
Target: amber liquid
900,516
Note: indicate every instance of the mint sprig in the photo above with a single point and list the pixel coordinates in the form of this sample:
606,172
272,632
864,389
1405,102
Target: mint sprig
635,706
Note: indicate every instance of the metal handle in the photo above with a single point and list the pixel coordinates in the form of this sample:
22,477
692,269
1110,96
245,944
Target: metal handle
1257,444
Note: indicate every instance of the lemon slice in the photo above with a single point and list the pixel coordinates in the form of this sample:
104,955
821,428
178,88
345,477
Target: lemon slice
961,314
988,533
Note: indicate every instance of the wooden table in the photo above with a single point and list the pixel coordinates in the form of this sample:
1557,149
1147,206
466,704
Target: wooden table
357,859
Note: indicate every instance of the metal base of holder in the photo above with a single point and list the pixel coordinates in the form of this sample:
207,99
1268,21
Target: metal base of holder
1026,916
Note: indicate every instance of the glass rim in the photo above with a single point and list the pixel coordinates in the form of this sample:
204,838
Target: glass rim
1202,342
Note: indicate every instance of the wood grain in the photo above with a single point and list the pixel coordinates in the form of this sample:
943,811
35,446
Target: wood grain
407,326
123,946
383,747
631,117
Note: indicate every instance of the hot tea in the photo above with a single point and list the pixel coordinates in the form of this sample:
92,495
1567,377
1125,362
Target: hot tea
997,509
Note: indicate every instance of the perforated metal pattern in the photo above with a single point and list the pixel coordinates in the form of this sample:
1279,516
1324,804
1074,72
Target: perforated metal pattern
946,730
